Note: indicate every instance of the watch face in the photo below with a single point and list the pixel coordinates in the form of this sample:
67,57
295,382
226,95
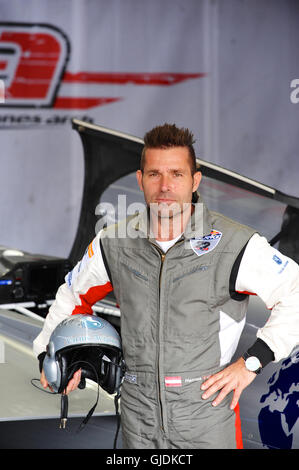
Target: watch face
252,363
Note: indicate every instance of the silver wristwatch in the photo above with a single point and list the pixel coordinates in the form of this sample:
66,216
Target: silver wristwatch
252,363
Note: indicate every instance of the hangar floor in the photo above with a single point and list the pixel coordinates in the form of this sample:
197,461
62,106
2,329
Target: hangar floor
99,433
29,417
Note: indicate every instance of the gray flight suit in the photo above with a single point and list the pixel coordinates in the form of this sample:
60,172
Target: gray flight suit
170,325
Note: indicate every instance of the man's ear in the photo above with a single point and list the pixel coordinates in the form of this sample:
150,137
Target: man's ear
139,179
196,180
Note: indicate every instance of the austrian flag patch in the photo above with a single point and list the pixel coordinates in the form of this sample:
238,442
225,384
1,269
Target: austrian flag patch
173,381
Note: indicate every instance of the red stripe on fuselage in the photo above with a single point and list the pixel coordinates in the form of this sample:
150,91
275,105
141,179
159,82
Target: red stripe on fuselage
118,78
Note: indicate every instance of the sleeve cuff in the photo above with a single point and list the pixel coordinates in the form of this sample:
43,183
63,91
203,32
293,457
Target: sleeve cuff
262,351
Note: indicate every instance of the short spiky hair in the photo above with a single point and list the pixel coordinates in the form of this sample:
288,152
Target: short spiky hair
168,135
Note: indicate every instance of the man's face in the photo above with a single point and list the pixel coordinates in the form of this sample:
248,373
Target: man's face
167,181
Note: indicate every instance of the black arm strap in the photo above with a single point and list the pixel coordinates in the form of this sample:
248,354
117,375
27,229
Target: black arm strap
233,277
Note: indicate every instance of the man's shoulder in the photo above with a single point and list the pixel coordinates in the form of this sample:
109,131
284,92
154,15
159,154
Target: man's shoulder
121,229
235,235
229,224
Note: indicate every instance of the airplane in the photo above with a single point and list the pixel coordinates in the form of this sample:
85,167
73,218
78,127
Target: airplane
269,406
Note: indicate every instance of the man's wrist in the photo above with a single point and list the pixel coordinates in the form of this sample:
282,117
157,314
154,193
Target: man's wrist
258,356
252,363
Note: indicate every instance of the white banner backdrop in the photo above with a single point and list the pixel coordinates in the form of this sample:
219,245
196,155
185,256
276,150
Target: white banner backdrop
223,69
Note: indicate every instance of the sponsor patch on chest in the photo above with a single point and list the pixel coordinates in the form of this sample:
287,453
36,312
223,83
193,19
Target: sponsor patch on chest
203,245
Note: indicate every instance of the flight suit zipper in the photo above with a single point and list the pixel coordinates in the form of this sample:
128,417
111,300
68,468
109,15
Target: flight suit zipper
162,255
160,332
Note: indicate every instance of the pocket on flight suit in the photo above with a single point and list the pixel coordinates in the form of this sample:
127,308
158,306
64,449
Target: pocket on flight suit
187,310
139,410
195,423
130,413
134,290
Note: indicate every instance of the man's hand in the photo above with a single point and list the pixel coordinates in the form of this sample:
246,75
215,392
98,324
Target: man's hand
44,381
234,377
71,386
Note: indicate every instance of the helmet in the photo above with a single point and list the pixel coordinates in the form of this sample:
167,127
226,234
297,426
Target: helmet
87,342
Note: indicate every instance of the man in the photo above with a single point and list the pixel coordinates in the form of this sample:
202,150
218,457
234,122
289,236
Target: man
181,277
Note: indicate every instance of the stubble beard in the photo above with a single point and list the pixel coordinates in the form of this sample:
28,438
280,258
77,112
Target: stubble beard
169,220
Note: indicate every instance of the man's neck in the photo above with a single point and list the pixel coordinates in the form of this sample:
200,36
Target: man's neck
169,228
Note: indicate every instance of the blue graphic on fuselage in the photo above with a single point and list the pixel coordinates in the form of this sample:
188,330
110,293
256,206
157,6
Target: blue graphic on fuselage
280,413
